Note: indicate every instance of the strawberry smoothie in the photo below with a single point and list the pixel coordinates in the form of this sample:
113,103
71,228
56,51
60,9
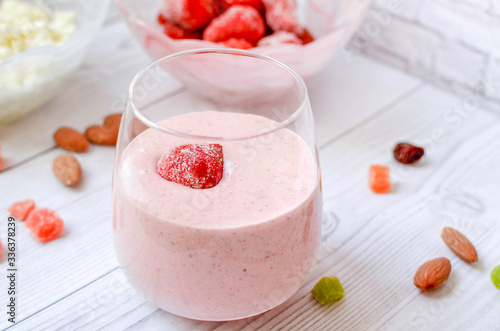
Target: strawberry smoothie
227,252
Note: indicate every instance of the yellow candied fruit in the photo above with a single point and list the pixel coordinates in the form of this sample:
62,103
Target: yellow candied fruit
328,290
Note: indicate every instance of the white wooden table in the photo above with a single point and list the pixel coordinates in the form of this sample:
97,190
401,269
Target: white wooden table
373,243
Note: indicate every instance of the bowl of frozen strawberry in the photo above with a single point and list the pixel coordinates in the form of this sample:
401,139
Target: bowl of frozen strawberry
303,35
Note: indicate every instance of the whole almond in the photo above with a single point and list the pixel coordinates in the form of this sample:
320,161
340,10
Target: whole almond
106,134
67,170
459,244
71,140
102,135
113,120
432,274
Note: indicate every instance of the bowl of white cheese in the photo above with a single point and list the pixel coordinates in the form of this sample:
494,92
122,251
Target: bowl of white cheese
41,44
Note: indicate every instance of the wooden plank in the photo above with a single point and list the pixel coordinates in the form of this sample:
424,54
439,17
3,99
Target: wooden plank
350,91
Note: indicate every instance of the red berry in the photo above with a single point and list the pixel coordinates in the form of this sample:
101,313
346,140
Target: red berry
45,224
161,19
190,14
407,154
237,43
225,4
237,22
21,210
176,32
379,180
281,15
280,37
196,166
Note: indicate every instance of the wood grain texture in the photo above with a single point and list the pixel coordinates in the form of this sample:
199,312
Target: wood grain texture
373,243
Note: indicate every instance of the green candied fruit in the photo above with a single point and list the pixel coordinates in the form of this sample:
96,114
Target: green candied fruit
495,276
328,290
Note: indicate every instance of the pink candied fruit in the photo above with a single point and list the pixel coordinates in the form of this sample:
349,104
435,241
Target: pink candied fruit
278,38
189,14
195,166
21,210
242,22
45,224
281,15
176,32
379,179
239,43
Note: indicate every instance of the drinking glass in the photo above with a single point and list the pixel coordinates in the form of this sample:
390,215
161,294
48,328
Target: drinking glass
247,244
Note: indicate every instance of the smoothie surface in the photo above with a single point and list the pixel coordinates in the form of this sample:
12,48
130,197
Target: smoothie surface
264,177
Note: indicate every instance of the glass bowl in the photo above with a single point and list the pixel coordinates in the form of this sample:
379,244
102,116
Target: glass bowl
331,22
31,78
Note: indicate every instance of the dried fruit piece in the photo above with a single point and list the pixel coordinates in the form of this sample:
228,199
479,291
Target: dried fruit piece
495,276
432,274
71,140
21,210
196,166
67,169
106,134
161,19
281,15
306,37
459,244
190,14
328,290
236,43
407,153
45,224
278,38
379,179
237,22
176,32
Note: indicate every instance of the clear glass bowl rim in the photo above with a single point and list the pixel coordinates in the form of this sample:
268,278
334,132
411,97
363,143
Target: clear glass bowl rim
151,124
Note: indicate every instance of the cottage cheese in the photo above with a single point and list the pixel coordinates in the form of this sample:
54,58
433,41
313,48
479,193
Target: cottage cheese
24,26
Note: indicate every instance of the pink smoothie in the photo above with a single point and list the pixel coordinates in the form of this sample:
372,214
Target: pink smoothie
228,252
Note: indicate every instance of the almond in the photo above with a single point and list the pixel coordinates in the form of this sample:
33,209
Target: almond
459,244
113,120
71,140
67,169
106,134
432,274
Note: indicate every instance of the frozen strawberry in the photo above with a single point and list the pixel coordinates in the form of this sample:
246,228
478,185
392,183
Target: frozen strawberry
306,37
190,14
280,37
237,22
21,210
162,19
196,166
379,180
236,43
225,4
281,15
176,32
45,224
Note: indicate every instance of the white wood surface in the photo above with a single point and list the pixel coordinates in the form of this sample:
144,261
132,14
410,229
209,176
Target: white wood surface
373,243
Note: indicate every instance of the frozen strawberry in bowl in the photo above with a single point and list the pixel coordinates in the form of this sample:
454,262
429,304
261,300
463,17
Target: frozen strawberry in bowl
322,27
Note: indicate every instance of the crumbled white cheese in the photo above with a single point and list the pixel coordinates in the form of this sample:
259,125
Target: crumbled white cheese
24,26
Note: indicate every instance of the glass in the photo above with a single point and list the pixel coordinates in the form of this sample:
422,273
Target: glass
247,244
